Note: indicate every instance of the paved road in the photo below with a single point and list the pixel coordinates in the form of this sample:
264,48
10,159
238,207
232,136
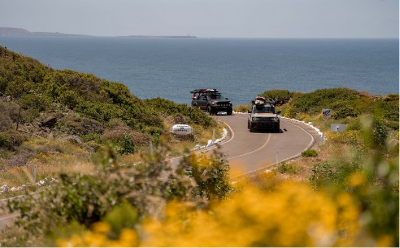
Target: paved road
248,152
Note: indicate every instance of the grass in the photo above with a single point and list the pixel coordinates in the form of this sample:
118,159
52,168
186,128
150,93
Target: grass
243,108
56,156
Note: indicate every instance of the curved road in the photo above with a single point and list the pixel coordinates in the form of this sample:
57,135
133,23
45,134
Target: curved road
252,151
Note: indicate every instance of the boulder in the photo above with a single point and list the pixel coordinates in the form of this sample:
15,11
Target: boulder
49,122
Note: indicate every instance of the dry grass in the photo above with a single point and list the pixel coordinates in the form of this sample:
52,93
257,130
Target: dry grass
56,156
119,132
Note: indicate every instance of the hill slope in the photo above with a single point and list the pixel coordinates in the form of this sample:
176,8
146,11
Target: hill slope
39,101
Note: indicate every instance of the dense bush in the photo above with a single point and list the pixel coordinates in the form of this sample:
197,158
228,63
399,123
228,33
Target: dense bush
281,96
309,153
78,125
12,138
314,102
286,168
9,114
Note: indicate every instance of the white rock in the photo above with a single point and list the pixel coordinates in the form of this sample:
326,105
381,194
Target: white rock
4,188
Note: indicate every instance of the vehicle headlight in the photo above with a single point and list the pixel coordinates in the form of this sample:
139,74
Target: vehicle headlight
256,118
275,119
213,102
230,103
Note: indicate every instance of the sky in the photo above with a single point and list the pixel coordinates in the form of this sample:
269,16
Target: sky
207,18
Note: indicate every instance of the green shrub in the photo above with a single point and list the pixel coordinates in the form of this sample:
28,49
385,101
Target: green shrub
309,153
354,124
91,137
379,132
35,101
77,125
314,102
5,122
281,96
9,113
211,175
125,144
286,168
324,173
12,138
343,111
5,142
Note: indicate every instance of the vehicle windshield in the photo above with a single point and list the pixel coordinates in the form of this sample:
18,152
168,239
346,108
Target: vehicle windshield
263,109
216,96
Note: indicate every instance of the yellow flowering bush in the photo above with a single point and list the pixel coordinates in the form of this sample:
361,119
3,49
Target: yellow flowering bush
98,238
292,215
351,137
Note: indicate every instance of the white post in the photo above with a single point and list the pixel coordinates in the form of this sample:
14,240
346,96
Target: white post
151,148
323,138
213,136
277,157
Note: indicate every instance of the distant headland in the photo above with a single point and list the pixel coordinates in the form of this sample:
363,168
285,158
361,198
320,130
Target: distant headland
6,31
155,36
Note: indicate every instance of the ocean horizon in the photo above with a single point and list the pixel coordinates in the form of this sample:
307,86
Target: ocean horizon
240,68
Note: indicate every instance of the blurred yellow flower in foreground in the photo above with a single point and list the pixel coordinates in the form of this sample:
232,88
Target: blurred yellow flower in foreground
292,215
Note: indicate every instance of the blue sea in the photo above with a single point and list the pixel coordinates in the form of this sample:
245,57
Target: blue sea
239,68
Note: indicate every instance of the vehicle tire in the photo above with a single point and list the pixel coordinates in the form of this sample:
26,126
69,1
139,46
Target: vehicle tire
277,129
209,110
229,112
252,129
248,125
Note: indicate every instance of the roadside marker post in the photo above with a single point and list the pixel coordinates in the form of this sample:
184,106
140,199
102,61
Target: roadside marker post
277,157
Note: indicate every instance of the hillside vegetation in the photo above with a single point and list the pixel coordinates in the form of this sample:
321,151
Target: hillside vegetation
62,117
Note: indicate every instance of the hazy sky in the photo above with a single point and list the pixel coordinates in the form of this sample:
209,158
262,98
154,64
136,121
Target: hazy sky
207,18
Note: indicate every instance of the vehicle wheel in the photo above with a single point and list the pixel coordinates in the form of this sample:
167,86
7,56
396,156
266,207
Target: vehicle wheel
209,110
277,129
252,129
229,112
248,125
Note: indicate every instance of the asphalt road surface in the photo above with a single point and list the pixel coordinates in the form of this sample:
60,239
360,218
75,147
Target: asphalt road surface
254,151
